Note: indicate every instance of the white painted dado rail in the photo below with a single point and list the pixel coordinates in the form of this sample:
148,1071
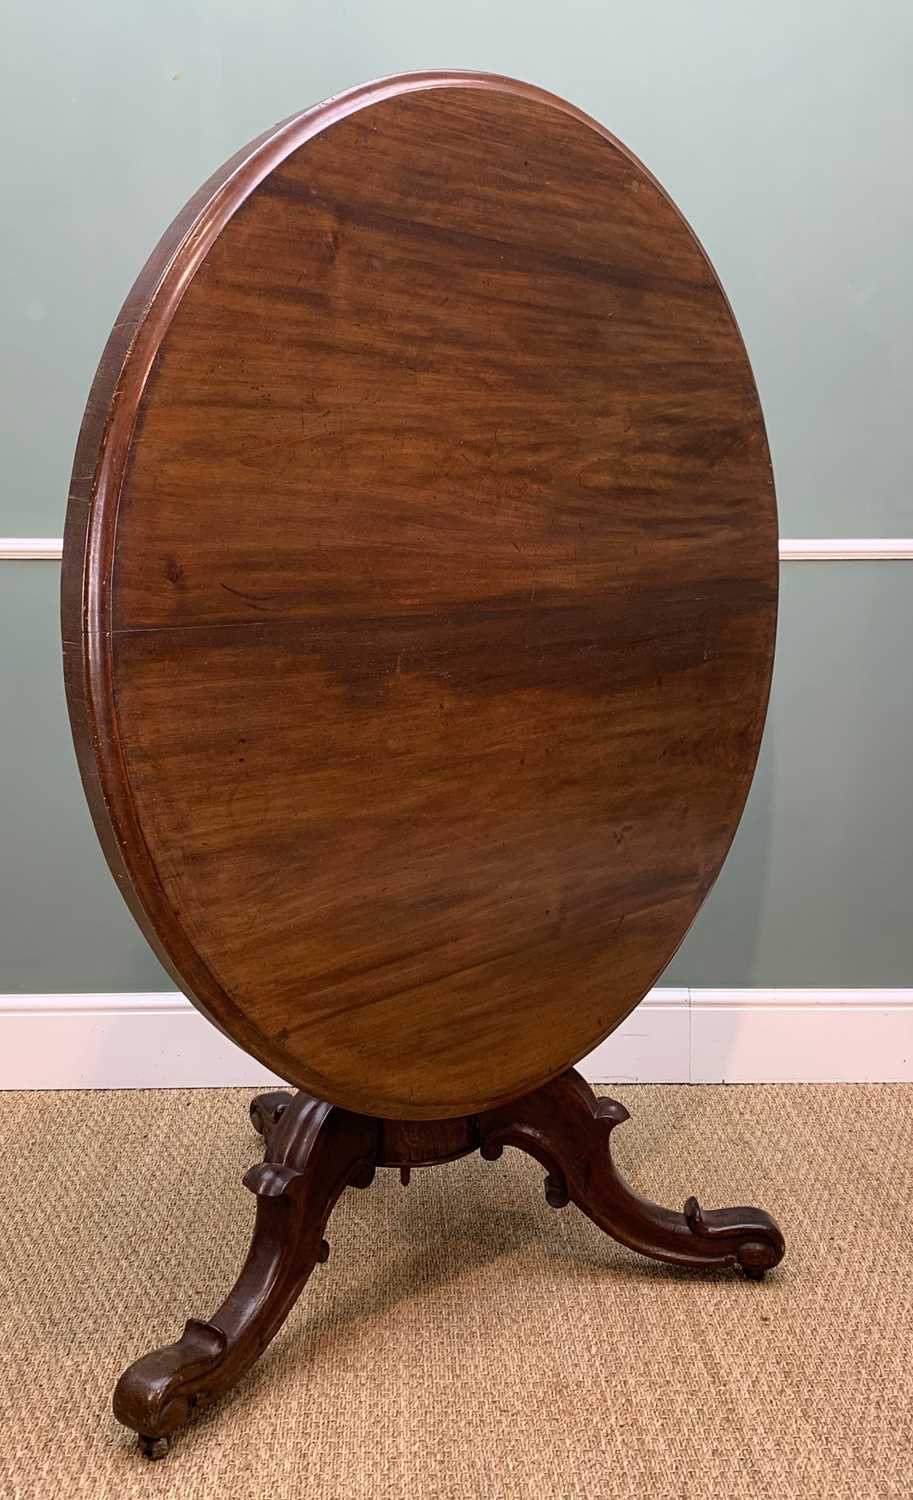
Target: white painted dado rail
792,549
846,548
25,548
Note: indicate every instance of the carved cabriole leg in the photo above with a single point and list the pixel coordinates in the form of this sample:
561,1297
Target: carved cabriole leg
313,1151
567,1129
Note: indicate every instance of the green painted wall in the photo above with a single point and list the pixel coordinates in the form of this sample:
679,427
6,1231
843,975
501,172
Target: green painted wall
784,132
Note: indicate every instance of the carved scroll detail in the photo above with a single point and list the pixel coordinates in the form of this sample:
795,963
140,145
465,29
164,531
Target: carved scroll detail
568,1131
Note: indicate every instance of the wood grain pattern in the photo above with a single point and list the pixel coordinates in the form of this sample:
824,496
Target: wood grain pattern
420,592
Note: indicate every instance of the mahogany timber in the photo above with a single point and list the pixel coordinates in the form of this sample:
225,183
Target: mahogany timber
419,593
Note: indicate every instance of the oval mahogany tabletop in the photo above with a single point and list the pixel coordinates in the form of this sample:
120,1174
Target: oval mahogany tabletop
419,592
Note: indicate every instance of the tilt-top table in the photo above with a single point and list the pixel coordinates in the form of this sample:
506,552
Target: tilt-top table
419,595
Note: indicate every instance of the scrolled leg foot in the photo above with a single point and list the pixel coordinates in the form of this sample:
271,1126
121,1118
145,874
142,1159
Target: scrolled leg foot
567,1129
313,1151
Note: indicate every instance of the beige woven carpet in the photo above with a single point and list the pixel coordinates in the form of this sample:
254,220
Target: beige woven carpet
464,1339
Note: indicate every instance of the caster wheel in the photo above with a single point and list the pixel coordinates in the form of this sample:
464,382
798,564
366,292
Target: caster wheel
154,1447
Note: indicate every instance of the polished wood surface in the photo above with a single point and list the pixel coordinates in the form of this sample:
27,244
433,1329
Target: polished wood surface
419,593
315,1150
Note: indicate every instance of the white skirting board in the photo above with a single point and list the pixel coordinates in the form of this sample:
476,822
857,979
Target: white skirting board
674,1036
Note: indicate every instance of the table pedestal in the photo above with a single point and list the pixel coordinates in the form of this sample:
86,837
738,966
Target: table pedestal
314,1150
